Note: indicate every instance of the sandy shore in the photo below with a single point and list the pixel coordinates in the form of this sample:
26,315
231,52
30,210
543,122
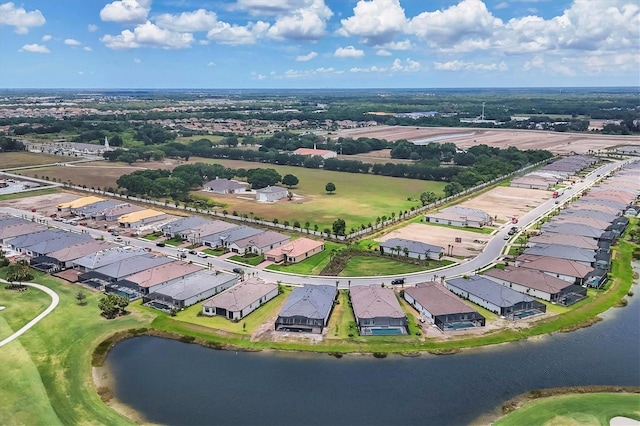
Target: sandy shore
103,379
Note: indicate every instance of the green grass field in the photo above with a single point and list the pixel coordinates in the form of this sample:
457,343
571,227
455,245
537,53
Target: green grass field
369,265
251,261
20,307
10,160
575,409
47,371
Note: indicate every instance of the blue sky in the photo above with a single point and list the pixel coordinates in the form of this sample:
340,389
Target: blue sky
318,43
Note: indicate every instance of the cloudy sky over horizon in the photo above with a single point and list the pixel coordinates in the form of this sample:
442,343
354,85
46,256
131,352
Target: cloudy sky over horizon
318,43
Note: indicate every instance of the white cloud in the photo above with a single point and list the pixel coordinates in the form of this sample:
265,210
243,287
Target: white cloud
408,65
34,48
92,28
397,45
72,42
225,33
309,56
199,20
458,65
211,64
19,18
137,60
258,76
376,21
383,52
87,49
269,7
469,18
46,37
348,52
126,11
372,68
537,62
303,23
148,35
322,71
503,5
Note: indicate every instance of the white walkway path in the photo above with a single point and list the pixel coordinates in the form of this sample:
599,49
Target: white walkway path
54,302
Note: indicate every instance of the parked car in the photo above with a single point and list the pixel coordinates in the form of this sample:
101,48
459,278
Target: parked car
202,254
238,270
117,239
506,237
182,250
398,281
182,255
160,244
193,252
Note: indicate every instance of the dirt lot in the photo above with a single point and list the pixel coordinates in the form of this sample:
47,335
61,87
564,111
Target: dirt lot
506,202
471,242
45,205
560,143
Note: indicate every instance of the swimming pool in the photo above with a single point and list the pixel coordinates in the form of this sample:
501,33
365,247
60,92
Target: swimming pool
385,331
459,325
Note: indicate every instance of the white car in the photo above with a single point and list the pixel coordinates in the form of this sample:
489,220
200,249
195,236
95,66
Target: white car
182,250
202,254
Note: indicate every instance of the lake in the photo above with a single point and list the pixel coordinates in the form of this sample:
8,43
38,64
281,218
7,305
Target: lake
172,382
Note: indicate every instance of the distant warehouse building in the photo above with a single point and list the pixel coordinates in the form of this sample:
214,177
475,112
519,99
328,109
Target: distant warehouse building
442,308
498,299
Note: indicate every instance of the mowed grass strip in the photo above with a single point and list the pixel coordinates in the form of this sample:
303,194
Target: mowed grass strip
10,160
60,347
359,266
583,409
21,307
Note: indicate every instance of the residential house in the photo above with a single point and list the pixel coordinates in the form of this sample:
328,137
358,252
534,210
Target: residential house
498,299
568,270
140,218
410,248
153,279
225,238
259,243
538,284
19,227
191,289
64,257
111,214
307,309
102,258
580,255
563,239
295,251
89,210
572,229
45,242
440,307
224,186
115,274
593,205
377,310
531,182
240,300
77,203
178,226
271,194
194,235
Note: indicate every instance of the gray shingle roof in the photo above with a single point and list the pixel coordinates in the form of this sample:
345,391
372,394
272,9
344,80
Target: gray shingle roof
196,284
490,291
180,225
55,244
106,257
563,252
223,185
530,278
572,229
129,266
310,301
412,246
241,295
262,240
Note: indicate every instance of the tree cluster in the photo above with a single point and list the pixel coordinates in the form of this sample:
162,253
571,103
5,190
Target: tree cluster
10,145
113,305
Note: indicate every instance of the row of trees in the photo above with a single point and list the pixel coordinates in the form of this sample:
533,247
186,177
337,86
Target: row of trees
10,145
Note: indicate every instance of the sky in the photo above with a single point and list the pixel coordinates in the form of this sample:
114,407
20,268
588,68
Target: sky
326,44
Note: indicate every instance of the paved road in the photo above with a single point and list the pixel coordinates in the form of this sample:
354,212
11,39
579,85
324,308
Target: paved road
54,302
492,251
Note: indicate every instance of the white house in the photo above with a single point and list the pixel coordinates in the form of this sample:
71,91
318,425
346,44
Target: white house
239,301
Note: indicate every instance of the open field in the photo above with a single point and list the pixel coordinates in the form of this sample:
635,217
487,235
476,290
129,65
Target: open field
47,371
10,160
45,205
20,307
505,202
573,409
556,142
471,242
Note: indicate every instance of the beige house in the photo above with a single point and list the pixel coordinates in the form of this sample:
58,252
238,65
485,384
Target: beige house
295,251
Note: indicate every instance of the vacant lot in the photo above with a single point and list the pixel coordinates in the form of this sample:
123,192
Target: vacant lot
556,142
10,160
505,202
45,205
471,243
359,199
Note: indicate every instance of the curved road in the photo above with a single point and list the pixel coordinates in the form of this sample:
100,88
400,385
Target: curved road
54,302
492,251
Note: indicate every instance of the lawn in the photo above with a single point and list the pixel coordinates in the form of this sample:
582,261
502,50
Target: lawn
251,261
47,372
10,160
312,265
574,409
359,266
21,307
213,252
342,323
17,195
244,327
